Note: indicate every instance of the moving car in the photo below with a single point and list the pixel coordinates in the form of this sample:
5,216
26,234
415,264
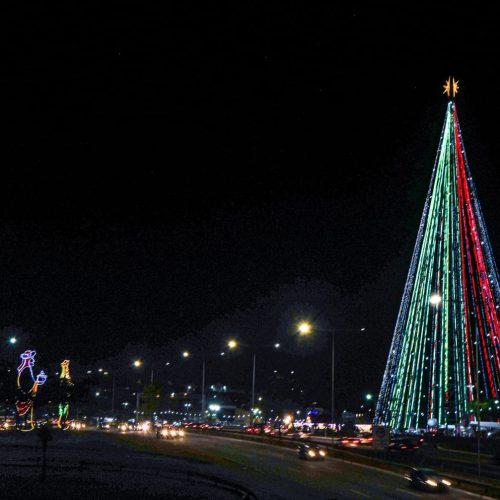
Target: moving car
427,480
350,441
366,438
311,452
402,445
169,432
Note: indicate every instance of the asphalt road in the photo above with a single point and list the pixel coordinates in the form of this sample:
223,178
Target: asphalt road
430,456
278,473
86,464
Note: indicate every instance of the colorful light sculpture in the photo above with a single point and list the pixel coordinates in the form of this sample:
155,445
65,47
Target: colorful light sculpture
27,386
449,315
66,386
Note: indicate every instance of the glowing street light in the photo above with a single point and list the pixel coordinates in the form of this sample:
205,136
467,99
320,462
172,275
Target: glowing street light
185,354
12,340
435,299
232,344
137,363
369,397
304,328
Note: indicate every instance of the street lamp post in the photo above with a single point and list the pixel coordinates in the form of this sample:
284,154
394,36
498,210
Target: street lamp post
233,344
113,395
203,397
187,354
478,415
138,397
435,300
138,363
304,328
253,386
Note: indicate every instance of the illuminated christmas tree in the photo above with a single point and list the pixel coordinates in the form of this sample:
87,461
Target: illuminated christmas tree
445,353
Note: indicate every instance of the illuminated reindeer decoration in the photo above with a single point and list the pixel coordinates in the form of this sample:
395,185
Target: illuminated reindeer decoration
27,386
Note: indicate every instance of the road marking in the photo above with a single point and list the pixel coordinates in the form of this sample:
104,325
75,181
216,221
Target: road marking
408,492
360,494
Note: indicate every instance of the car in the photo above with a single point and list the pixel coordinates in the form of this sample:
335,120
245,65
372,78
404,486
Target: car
301,435
366,438
402,445
412,437
251,430
169,432
427,480
311,452
350,441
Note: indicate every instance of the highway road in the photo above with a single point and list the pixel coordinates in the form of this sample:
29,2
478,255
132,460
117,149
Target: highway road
275,472
139,466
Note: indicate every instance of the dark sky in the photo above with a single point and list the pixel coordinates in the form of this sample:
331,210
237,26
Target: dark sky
165,167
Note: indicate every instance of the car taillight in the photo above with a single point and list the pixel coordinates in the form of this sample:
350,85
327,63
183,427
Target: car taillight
404,447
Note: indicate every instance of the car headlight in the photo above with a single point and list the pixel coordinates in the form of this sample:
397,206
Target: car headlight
181,433
311,453
430,482
444,481
164,432
322,453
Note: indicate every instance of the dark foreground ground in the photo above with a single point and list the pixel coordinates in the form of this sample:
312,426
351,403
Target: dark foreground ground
99,465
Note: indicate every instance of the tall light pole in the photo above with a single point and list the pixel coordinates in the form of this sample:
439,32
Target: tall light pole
332,332
138,363
113,395
435,300
233,344
138,397
253,385
304,329
478,415
186,355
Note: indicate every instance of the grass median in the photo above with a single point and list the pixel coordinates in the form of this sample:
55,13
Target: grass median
180,449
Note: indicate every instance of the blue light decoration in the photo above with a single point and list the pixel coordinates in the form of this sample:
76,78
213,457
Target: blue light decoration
445,353
27,386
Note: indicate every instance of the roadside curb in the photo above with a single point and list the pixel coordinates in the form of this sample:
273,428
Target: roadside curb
449,450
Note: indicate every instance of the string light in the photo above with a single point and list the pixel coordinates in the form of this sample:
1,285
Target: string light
449,304
66,385
27,386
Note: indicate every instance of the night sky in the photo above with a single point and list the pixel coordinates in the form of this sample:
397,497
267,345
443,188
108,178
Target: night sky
171,171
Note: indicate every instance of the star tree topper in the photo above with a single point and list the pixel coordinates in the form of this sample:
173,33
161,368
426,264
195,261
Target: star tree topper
451,87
